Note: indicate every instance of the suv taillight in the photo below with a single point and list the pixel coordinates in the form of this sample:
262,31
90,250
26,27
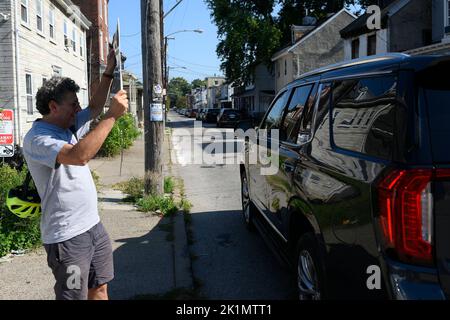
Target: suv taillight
406,214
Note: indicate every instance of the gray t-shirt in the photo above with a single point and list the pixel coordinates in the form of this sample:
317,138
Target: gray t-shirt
68,193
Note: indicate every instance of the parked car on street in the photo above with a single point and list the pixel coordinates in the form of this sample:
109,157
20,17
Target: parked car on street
229,117
200,114
210,115
360,205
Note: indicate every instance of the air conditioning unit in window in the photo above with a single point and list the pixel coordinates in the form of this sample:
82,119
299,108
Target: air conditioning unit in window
67,43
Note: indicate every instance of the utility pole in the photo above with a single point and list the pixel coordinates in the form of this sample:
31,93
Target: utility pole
153,95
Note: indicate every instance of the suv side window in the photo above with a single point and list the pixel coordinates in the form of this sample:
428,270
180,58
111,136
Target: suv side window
364,115
298,107
275,115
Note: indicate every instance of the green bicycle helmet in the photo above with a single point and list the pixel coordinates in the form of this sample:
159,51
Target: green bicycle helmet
23,201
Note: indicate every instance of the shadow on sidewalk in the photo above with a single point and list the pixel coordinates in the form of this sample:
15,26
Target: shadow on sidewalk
144,265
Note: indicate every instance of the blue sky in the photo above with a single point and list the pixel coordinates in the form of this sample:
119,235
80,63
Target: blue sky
194,51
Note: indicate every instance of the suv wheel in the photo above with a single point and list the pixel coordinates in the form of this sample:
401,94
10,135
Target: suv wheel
309,270
247,205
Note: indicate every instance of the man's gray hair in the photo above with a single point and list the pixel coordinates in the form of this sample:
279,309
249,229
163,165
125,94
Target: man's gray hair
54,89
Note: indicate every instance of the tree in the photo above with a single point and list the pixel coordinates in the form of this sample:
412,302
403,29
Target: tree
197,83
178,87
182,102
249,33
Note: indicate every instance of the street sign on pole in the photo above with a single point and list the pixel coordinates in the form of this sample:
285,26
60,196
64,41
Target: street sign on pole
6,133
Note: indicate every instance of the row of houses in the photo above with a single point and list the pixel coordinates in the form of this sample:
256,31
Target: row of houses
409,26
44,38
216,93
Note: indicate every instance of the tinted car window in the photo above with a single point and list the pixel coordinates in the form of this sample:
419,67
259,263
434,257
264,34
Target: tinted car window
364,115
438,105
295,110
274,117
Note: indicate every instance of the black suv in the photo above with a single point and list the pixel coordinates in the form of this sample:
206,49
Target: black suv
360,206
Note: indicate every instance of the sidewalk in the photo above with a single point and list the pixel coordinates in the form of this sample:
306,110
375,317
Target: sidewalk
150,254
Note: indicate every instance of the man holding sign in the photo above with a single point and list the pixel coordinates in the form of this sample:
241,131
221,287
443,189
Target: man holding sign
57,150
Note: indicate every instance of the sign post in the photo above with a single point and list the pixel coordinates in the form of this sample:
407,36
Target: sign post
6,133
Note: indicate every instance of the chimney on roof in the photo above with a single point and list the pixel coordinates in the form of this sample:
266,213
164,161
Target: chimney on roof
308,23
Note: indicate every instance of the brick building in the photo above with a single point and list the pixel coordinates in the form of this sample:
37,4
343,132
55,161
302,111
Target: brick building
97,38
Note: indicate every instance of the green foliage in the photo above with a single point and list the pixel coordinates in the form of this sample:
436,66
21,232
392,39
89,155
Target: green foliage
122,135
134,188
169,185
197,83
178,88
182,102
185,205
153,203
15,233
247,35
250,32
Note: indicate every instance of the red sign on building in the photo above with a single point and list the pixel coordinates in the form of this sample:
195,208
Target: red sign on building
6,127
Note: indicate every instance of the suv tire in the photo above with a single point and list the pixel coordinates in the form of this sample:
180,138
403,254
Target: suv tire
248,209
309,269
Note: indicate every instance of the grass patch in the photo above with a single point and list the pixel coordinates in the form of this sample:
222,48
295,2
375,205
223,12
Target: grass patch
169,185
153,203
185,205
134,188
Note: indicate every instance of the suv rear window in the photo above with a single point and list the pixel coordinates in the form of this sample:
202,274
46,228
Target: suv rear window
364,115
438,105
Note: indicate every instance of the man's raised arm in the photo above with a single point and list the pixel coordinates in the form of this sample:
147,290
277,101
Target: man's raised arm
98,100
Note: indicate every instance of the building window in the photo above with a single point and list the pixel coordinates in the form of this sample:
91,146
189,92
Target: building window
355,49
51,22
372,45
66,36
101,45
285,67
81,46
74,40
24,11
39,23
29,92
364,115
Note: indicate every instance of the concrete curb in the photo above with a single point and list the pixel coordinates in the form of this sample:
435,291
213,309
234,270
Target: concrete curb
182,259
183,273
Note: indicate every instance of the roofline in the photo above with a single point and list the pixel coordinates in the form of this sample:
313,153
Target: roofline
282,54
66,4
394,8
355,62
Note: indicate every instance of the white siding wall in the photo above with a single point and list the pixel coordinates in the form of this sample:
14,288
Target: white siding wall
286,74
38,55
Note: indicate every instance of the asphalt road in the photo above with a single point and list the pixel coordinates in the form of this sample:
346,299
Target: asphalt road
230,262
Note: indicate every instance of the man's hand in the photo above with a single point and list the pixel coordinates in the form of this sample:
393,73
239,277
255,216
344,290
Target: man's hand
87,148
111,62
119,105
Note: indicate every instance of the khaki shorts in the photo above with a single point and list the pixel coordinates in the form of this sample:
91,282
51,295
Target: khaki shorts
81,263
